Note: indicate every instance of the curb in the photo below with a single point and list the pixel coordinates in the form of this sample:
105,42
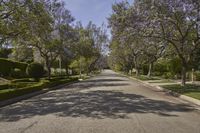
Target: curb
183,97
26,96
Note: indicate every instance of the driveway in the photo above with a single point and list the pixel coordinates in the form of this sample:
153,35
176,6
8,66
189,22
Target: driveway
107,103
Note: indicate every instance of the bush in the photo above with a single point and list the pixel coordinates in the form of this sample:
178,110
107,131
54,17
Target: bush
14,90
4,86
35,70
17,73
168,75
75,67
7,66
175,66
145,69
197,75
160,68
10,93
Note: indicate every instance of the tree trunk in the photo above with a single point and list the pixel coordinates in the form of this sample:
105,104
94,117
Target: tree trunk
192,75
80,69
136,72
49,71
150,69
87,73
136,66
66,69
48,68
183,75
131,71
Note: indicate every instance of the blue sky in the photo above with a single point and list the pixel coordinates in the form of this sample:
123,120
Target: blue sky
91,10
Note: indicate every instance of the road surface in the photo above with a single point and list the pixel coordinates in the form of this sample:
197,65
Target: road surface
107,103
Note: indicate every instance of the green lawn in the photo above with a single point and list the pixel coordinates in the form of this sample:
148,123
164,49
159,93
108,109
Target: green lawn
188,90
24,86
145,78
162,81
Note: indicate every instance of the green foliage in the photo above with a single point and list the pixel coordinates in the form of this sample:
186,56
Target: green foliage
58,72
88,48
81,65
45,28
22,53
152,26
16,85
75,66
167,68
58,81
160,68
22,80
145,69
10,93
144,78
197,75
7,66
118,67
35,70
4,52
19,88
174,66
168,75
4,86
17,73
162,81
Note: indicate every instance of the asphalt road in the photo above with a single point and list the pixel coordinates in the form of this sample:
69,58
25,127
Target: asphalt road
108,103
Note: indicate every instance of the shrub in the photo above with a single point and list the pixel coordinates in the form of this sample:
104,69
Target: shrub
17,73
145,69
160,68
14,90
22,80
4,86
10,93
7,66
168,75
197,75
35,70
175,66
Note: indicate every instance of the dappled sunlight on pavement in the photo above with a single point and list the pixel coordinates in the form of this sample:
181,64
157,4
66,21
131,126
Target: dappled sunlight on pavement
108,101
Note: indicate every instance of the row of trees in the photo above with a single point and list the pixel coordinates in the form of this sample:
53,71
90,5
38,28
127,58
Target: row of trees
47,27
150,30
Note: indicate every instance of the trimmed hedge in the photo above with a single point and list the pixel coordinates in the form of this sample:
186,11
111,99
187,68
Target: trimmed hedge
4,86
197,75
7,66
11,93
35,70
22,80
60,81
16,85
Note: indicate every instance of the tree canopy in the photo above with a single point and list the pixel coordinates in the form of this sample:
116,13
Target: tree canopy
154,28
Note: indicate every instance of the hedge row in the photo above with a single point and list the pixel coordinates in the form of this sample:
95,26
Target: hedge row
11,93
8,66
4,86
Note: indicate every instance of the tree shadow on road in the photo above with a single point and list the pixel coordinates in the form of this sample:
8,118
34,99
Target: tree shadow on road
101,83
93,104
106,80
